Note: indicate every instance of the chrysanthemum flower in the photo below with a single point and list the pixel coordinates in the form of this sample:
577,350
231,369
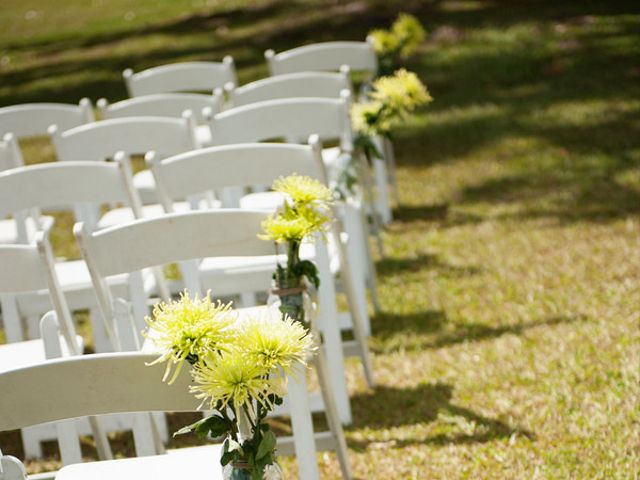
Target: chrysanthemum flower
231,378
304,190
384,41
369,118
296,223
402,92
275,342
188,329
409,32
281,230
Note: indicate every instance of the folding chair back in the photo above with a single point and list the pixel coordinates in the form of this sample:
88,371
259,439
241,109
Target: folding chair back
29,268
89,385
292,118
326,56
181,77
243,165
162,105
301,84
49,185
172,238
31,119
132,135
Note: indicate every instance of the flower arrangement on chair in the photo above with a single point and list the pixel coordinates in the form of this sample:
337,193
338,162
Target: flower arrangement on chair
398,43
390,102
306,211
239,368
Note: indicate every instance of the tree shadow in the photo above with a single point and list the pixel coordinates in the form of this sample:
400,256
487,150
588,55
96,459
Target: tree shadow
428,321
389,266
411,213
388,407
432,330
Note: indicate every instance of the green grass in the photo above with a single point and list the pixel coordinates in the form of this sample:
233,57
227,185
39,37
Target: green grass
508,343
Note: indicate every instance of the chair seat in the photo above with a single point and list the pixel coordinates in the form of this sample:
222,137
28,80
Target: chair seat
203,135
193,463
230,275
145,184
335,158
75,282
269,201
20,354
9,230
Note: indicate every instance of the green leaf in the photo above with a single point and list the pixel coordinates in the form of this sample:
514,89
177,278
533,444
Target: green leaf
267,445
309,270
190,428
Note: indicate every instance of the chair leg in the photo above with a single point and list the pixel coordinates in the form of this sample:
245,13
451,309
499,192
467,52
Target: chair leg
359,329
371,266
11,318
33,326
382,204
302,425
100,437
390,157
328,325
369,195
144,435
101,341
31,442
68,442
331,411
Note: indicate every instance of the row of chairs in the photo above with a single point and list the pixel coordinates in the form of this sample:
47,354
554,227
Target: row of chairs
266,162
190,178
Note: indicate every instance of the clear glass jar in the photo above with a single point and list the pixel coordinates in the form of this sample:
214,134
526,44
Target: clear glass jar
241,471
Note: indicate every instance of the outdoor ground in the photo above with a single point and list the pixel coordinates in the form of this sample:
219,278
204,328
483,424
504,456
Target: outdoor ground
508,346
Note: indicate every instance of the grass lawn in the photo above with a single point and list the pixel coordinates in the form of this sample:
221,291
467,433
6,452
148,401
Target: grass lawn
508,346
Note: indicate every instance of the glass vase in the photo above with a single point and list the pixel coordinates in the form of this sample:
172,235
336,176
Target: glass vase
241,471
291,293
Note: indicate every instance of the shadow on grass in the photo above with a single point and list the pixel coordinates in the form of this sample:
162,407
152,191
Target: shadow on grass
431,329
392,266
387,407
411,213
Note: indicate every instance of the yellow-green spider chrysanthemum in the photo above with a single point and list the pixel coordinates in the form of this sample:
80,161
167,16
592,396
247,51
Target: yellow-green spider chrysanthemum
384,41
294,226
369,118
189,328
403,91
275,342
409,32
304,190
231,378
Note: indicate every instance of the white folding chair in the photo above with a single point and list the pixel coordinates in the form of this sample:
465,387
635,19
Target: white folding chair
28,120
181,77
196,172
68,185
30,268
131,135
63,185
22,227
166,105
33,119
332,56
99,384
221,233
296,119
320,85
291,85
